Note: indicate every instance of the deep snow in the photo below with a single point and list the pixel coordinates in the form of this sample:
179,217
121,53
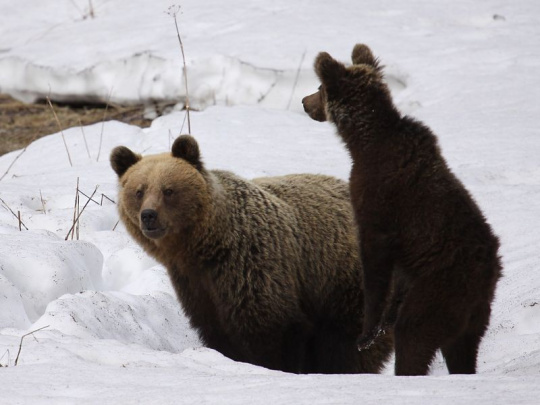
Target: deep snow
116,333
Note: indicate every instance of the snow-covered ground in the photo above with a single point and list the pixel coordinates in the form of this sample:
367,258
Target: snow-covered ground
115,332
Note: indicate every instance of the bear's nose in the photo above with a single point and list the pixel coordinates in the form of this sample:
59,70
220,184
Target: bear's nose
149,218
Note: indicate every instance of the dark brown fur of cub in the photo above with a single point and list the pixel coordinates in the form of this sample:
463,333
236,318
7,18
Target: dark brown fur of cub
416,220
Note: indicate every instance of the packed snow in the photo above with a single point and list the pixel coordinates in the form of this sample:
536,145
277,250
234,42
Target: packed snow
113,329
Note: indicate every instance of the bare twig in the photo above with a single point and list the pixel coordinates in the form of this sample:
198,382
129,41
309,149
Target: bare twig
103,123
22,337
182,127
20,222
20,154
75,205
80,213
60,129
173,12
15,215
100,203
115,225
91,9
84,137
108,198
42,202
12,163
8,358
296,79
78,205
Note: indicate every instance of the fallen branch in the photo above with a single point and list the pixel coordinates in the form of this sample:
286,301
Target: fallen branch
22,338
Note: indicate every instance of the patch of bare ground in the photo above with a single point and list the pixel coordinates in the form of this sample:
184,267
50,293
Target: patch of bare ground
22,123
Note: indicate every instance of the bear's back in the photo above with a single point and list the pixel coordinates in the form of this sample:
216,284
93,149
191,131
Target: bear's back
326,223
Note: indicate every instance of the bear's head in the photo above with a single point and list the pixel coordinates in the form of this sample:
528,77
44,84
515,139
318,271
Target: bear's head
163,194
347,93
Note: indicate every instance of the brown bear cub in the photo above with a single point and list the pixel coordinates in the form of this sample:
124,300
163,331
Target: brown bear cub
417,223
267,271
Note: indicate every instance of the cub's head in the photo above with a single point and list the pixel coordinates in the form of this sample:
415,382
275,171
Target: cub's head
161,194
347,92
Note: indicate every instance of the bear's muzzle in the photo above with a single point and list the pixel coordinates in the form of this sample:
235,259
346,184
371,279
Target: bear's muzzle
150,226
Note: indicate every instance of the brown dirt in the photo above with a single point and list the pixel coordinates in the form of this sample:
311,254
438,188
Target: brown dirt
21,123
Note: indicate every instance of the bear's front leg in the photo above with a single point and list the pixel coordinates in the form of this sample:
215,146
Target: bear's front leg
377,252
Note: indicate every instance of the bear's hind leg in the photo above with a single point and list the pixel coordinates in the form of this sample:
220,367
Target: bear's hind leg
427,321
461,354
332,351
295,356
414,353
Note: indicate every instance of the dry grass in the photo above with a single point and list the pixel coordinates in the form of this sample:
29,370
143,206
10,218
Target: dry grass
21,123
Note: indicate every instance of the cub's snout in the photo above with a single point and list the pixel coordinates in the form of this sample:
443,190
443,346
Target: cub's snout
314,106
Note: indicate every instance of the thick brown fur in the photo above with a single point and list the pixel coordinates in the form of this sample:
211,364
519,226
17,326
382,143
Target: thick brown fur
417,223
267,271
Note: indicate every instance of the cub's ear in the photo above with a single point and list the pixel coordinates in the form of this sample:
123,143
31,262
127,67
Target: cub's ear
362,55
328,69
122,159
186,147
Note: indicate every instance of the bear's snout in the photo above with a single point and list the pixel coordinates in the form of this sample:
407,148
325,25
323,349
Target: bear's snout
314,106
149,218
150,224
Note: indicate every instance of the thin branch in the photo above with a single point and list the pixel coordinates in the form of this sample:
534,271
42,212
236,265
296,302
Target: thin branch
22,337
78,206
296,79
91,9
103,123
173,12
15,215
108,198
84,137
75,205
8,358
80,213
100,203
22,151
42,202
182,127
60,129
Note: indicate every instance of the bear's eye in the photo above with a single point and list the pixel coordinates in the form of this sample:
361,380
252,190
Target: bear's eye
139,193
168,192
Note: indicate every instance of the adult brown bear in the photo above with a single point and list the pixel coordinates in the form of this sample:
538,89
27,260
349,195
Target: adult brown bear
267,271
416,221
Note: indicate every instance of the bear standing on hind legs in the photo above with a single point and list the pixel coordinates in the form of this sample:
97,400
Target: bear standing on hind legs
417,222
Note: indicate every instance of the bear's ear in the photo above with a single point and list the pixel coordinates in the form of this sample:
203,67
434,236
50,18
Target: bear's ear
328,69
186,147
362,55
122,159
